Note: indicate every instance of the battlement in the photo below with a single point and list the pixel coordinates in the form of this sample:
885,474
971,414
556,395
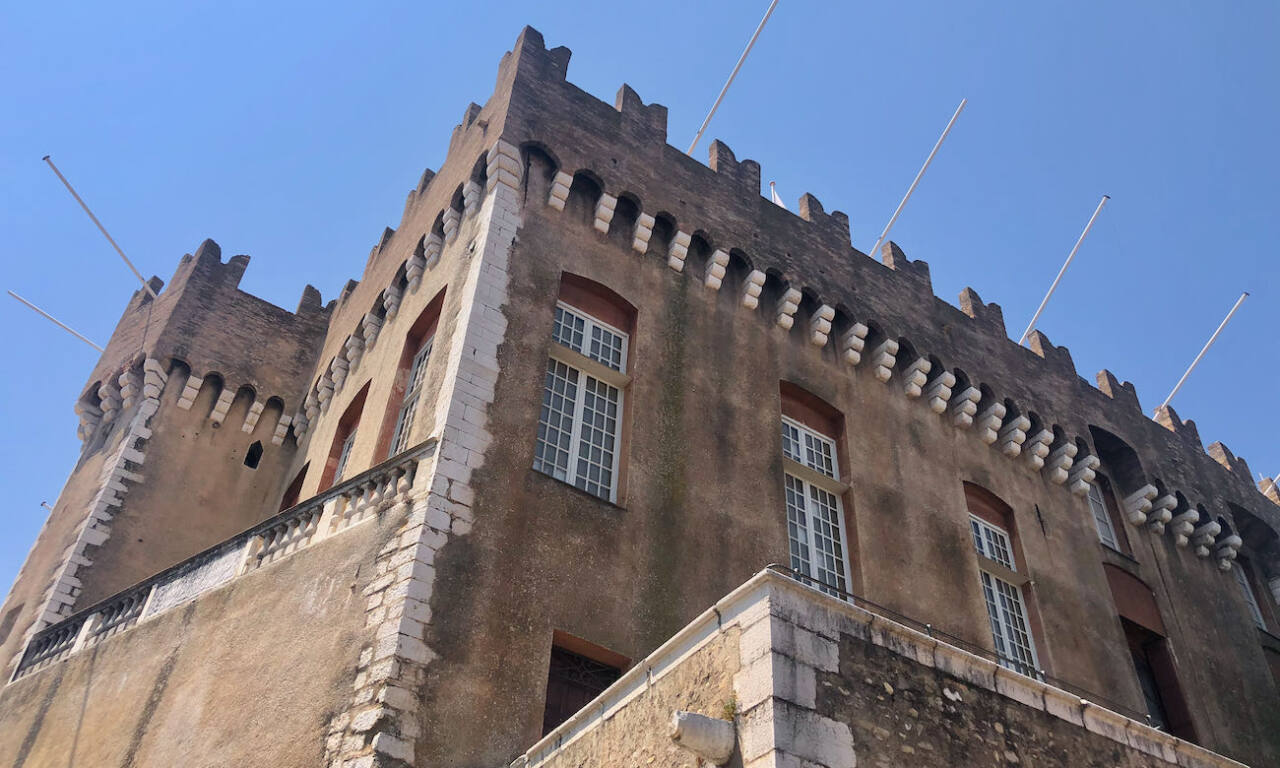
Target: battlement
610,167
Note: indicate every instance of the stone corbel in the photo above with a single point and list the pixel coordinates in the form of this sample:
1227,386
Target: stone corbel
452,217
431,248
715,270
852,343
787,307
1137,504
354,350
678,251
413,270
1183,525
883,358
989,422
1227,551
964,406
251,418
503,167
1059,462
820,325
939,392
471,194
1161,512
190,390
559,190
1037,448
1203,537
604,213
391,299
751,289
1012,435
90,417
338,372
153,378
108,400
282,429
915,377
1082,475
129,388
324,391
643,231
370,326
221,407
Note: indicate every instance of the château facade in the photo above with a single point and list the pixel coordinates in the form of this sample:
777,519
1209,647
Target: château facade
602,436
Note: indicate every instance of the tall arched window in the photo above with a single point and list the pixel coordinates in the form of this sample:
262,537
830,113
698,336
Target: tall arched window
580,426
344,439
407,391
811,458
1003,577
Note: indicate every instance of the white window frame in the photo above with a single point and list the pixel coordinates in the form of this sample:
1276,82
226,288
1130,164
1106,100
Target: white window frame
1255,610
577,357
814,473
1102,517
413,392
343,455
998,566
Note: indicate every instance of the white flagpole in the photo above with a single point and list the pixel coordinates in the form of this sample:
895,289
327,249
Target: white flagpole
55,320
1032,325
101,228
773,193
1208,344
732,75
875,249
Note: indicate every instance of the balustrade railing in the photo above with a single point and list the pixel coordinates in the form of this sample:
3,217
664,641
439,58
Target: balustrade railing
360,498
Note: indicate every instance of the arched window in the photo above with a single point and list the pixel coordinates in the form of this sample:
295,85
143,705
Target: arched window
294,491
812,459
580,426
406,393
1144,633
344,439
1241,570
1003,577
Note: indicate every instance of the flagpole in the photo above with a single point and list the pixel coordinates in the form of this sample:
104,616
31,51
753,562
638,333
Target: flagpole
101,228
1208,344
55,320
885,234
1031,326
732,75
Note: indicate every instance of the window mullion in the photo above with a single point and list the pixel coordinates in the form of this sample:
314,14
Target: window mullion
575,439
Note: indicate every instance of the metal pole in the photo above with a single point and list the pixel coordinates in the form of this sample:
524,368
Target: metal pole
55,320
885,234
1063,271
732,75
1208,344
101,228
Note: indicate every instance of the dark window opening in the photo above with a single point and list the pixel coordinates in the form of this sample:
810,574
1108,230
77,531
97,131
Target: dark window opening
573,680
10,618
253,456
1153,664
294,491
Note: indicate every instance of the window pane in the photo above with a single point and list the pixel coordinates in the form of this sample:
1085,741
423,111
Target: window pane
606,347
828,547
343,455
555,424
599,433
797,525
1017,636
791,442
991,542
404,425
818,454
568,329
1101,519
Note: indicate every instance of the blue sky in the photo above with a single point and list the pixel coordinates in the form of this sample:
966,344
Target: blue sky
293,132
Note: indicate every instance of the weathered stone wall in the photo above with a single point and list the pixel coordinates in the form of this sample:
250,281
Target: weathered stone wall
638,732
247,674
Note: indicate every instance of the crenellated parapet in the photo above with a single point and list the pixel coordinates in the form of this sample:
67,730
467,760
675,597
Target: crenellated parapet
800,269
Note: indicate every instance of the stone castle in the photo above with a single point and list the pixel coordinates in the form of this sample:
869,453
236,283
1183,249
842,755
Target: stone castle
607,460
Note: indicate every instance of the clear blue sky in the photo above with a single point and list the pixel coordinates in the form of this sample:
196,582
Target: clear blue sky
292,132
